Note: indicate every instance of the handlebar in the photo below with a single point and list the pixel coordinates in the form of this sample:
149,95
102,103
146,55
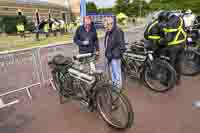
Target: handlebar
82,56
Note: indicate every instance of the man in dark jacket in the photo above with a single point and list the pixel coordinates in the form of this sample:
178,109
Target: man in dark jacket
114,48
86,37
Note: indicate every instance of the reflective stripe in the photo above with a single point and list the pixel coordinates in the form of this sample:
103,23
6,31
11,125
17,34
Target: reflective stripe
176,41
154,37
179,31
20,27
170,30
174,30
152,25
46,28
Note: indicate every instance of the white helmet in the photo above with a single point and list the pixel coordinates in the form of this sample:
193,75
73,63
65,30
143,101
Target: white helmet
188,11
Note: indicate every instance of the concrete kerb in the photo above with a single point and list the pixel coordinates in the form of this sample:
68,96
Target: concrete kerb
36,47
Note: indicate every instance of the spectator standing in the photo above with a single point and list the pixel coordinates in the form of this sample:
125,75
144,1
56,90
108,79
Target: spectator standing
86,37
114,48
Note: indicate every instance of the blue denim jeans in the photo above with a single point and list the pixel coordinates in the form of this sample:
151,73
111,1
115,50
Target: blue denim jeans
116,73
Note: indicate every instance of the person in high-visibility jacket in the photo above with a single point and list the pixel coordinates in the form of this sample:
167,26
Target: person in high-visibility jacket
20,29
173,37
62,28
46,29
65,27
54,28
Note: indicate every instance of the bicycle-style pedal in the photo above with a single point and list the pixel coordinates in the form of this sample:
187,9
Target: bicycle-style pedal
84,106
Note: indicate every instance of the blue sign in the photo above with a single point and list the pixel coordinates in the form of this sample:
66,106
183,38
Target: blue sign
82,9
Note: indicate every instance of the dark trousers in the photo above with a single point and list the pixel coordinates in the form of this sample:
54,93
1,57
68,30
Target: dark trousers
22,34
175,53
54,32
62,31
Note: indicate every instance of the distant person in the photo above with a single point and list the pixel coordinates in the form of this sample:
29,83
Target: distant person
189,18
54,28
62,27
20,29
86,37
114,49
46,28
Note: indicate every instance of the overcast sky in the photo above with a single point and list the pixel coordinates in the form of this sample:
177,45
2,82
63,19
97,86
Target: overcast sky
103,3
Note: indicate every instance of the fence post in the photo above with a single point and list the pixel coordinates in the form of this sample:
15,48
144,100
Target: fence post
36,64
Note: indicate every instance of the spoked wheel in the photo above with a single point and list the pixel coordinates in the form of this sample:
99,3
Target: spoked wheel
55,80
190,63
161,77
129,68
114,108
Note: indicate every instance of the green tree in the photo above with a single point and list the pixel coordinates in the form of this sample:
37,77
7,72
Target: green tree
105,10
91,7
134,8
121,6
140,7
194,5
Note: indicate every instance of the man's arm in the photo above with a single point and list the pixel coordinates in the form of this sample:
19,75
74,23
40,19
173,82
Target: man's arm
77,37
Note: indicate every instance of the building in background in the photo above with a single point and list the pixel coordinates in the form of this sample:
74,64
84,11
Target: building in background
57,8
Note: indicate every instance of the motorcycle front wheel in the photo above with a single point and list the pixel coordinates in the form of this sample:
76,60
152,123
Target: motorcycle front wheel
160,76
114,108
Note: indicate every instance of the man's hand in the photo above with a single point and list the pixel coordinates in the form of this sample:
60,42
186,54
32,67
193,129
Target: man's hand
85,42
97,53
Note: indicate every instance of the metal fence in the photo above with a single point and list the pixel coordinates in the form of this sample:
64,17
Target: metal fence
21,70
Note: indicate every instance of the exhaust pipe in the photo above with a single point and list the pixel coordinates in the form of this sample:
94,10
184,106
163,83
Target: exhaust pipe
81,76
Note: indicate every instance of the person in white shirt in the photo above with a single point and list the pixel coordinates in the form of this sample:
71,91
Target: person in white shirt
189,18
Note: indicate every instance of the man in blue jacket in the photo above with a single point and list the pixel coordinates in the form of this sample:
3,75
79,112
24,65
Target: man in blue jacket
86,37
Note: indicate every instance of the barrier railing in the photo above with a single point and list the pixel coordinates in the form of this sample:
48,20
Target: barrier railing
18,71
21,70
